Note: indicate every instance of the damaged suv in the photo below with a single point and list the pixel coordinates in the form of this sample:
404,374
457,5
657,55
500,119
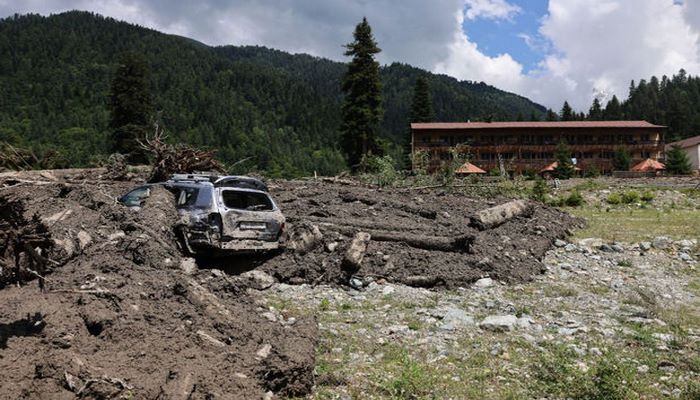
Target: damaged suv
230,213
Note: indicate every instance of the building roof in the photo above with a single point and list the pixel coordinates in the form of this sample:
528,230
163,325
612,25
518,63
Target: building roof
648,165
536,124
685,143
469,168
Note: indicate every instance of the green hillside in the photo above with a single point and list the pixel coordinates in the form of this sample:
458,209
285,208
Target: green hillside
282,110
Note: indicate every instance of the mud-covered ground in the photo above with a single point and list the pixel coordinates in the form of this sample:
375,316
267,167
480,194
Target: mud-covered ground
119,318
511,252
124,315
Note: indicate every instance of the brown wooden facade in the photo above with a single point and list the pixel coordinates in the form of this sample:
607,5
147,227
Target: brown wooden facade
532,145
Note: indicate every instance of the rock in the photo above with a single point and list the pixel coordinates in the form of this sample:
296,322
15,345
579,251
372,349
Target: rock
570,247
685,257
662,242
559,243
210,339
499,323
566,266
330,247
591,243
84,239
356,252
263,352
188,265
685,243
116,236
595,351
645,246
356,283
257,279
456,318
304,237
643,369
484,283
387,290
605,248
524,322
617,248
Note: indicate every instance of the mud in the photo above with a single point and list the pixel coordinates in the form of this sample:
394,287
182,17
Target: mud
123,315
511,252
119,319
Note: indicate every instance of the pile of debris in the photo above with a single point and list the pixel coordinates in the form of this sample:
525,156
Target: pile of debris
118,317
169,159
353,234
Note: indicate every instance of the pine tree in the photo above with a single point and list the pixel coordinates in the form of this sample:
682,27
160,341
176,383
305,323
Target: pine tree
621,160
595,113
551,115
422,106
613,110
567,114
565,167
362,107
677,161
130,106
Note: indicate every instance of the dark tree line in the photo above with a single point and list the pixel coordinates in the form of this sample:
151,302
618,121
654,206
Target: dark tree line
673,102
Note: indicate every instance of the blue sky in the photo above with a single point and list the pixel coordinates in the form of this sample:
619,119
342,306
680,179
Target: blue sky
578,49
498,36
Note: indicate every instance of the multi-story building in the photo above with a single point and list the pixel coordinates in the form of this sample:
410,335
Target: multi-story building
526,146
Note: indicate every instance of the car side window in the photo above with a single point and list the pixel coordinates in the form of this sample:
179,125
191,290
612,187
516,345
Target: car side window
136,196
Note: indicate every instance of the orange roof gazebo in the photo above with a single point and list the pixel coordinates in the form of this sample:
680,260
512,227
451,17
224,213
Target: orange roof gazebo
469,168
649,165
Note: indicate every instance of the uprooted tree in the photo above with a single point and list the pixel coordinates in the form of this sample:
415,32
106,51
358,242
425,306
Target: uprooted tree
24,245
169,159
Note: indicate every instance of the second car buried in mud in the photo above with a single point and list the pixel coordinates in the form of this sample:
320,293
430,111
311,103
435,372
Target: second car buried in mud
229,213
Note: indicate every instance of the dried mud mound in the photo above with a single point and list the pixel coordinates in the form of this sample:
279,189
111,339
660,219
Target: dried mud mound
119,319
414,237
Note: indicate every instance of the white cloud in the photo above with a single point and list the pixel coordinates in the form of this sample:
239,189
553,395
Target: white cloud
492,9
596,48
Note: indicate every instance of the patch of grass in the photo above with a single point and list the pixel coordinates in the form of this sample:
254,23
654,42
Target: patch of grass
634,225
324,305
599,290
648,196
407,378
614,199
626,263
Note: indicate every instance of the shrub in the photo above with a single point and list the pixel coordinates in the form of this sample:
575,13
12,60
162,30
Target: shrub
630,197
592,172
384,170
575,199
530,174
539,190
648,196
614,199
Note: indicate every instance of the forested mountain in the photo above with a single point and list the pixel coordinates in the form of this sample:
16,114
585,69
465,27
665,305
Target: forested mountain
282,110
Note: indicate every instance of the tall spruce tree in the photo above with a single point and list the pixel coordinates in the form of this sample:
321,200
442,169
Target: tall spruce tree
422,106
565,167
567,113
130,106
595,113
551,116
677,161
362,106
613,110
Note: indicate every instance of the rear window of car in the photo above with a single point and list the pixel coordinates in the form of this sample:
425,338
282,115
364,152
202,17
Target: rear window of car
242,200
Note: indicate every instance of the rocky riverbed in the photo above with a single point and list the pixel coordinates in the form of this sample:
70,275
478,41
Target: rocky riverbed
615,319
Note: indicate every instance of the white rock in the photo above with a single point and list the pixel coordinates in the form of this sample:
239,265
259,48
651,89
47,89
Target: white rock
257,279
484,283
643,369
591,243
188,265
570,247
499,323
559,243
84,239
645,246
387,290
263,352
662,242
456,318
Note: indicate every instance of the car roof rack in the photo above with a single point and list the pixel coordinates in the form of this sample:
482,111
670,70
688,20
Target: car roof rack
245,182
195,178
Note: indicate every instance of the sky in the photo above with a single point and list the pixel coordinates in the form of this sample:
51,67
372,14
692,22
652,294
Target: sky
547,50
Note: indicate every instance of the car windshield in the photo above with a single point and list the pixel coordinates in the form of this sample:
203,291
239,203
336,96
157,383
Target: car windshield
243,200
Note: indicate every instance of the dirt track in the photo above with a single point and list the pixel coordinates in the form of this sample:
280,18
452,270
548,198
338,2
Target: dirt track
119,317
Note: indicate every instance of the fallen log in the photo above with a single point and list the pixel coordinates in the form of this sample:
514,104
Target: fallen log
458,244
420,211
490,218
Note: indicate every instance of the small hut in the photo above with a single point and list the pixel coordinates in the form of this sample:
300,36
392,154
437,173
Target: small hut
469,169
649,165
